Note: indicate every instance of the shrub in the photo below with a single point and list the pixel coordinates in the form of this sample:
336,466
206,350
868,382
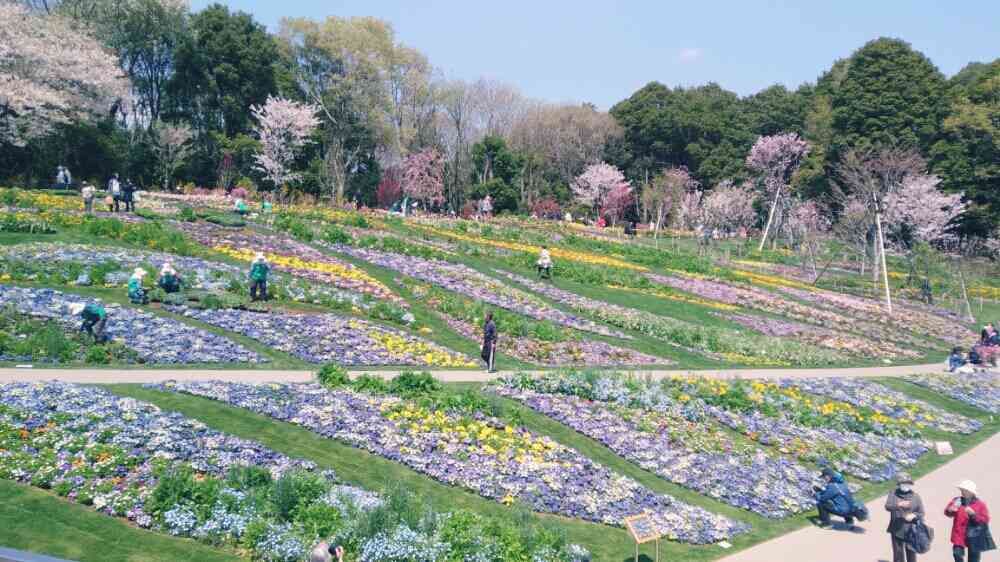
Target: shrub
333,376
294,491
336,235
409,384
187,214
370,384
231,221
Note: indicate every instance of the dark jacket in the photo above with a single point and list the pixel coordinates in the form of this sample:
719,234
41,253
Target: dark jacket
93,312
898,525
836,497
489,333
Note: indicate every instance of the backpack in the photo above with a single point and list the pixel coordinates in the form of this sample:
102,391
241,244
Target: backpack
860,512
919,537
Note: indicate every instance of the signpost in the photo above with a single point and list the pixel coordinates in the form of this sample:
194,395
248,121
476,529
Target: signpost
643,530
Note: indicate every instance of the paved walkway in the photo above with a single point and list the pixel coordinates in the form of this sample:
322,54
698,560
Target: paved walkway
159,375
813,544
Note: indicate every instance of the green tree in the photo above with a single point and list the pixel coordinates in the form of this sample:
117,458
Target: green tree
497,172
890,94
775,110
702,129
968,155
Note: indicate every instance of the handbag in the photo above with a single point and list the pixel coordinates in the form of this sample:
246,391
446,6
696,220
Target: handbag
919,537
979,539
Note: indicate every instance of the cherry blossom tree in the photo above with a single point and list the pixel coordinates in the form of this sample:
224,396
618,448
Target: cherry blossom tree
806,228
728,208
171,145
920,212
423,176
775,159
51,72
853,228
617,202
592,187
389,188
283,127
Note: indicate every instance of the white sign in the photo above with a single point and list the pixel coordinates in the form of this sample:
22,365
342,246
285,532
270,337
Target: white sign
943,448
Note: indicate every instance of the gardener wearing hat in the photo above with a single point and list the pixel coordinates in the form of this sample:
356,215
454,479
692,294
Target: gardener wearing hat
136,293
258,277
904,507
970,519
833,497
95,319
169,281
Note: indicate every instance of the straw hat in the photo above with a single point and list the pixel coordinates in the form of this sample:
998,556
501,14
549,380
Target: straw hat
967,485
76,308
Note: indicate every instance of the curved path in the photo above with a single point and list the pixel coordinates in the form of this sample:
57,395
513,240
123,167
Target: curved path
936,489
254,375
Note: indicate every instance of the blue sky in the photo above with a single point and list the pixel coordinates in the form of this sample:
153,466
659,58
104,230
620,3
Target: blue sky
601,52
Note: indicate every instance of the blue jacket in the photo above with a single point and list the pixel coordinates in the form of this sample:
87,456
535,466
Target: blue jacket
836,497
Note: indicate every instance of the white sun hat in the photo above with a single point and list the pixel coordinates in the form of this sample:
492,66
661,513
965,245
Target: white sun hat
139,272
76,308
967,485
259,256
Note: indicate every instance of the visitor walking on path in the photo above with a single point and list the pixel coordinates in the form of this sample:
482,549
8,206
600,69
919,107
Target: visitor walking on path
115,191
63,177
95,319
834,498
258,277
544,263
136,292
904,507
489,343
970,532
128,196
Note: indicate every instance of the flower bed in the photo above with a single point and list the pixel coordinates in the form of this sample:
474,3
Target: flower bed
886,401
155,339
326,338
690,453
981,390
728,345
288,255
471,283
499,462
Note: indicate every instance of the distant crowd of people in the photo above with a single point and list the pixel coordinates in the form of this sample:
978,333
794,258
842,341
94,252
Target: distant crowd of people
982,355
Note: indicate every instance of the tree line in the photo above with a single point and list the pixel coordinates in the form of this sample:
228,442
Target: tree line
180,111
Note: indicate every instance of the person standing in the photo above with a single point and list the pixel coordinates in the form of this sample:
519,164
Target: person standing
970,520
87,193
115,190
128,195
259,269
544,263
489,343
904,507
95,319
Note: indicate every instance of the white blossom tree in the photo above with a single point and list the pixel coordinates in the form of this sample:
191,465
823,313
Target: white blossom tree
283,127
776,158
728,208
920,212
171,143
592,187
51,72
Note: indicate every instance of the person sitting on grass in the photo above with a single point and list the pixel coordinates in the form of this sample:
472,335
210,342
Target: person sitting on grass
136,292
169,280
95,319
258,277
544,263
957,362
834,498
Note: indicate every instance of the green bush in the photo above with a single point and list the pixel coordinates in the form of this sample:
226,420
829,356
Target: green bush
370,384
231,221
294,491
333,376
336,235
187,214
410,385
148,214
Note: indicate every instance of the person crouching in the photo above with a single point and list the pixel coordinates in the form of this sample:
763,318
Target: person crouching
136,292
169,280
833,497
95,319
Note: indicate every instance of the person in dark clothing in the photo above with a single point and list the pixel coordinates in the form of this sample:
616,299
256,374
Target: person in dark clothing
904,507
169,280
489,343
95,319
128,196
834,498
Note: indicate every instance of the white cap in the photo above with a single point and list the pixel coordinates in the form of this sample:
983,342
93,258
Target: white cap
167,268
259,256
139,272
76,308
967,485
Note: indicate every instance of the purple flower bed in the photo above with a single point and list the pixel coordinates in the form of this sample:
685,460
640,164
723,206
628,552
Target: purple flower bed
483,455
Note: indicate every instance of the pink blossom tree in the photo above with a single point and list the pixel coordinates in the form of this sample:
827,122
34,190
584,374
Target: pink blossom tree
617,202
423,176
592,187
806,228
51,72
283,127
775,159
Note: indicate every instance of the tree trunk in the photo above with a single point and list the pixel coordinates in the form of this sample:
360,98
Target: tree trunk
770,218
885,271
